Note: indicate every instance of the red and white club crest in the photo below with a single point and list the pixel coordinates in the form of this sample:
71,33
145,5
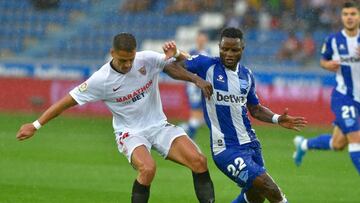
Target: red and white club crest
142,70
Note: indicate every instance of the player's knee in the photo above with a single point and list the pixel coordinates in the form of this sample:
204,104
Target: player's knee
339,146
198,163
147,171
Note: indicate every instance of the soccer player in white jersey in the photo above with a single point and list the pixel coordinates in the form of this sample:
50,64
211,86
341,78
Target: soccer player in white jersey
235,149
341,54
128,85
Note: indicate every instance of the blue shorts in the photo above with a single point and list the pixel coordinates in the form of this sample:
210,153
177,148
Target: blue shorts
194,96
346,112
241,164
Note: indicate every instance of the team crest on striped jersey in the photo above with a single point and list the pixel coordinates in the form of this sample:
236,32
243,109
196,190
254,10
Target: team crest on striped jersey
220,78
142,70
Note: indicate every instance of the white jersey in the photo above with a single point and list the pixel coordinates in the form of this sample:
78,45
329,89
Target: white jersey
343,48
133,98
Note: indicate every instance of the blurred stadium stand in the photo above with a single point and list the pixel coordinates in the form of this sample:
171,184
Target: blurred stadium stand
83,29
63,44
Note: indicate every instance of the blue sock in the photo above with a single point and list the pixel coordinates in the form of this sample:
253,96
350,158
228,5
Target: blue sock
192,131
193,125
354,151
320,142
240,198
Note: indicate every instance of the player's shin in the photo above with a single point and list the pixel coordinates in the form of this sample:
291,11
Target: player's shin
321,142
284,200
241,198
204,187
140,193
354,151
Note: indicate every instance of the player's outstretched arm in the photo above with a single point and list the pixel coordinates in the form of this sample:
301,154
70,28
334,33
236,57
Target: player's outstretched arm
264,114
330,65
171,50
177,71
28,130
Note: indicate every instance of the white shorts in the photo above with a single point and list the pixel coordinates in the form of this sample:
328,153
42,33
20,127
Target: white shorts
159,138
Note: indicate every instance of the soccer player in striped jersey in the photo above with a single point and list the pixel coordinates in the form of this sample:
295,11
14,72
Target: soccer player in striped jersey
128,85
341,54
235,149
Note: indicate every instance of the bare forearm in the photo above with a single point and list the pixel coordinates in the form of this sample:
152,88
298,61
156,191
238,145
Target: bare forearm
56,109
328,65
261,113
183,56
178,72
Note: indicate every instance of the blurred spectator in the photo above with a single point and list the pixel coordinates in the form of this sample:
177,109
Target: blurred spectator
308,49
136,5
240,7
194,93
265,20
290,49
182,6
231,20
201,45
45,4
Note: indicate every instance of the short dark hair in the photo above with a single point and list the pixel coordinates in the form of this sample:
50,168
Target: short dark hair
125,42
231,32
351,4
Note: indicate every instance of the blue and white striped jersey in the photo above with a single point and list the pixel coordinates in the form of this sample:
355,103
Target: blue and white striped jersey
343,48
226,113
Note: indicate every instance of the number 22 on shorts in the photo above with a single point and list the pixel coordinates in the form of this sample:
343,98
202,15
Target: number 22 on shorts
236,169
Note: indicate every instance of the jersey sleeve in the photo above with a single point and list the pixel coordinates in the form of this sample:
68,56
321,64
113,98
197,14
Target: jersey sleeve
327,50
156,60
198,64
252,97
89,91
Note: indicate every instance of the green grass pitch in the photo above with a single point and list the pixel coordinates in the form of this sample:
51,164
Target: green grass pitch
76,160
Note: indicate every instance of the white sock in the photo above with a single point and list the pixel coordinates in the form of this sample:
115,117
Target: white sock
304,145
284,200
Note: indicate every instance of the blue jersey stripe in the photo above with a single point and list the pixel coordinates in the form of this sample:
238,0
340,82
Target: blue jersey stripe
247,123
341,45
346,73
226,125
220,80
207,119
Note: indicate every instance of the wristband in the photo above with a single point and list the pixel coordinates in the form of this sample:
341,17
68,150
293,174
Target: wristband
36,124
275,118
177,54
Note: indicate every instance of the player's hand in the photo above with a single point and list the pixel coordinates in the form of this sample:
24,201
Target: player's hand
26,131
205,87
291,122
358,51
333,65
169,49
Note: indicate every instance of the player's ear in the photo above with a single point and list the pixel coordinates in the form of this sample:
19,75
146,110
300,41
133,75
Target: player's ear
112,52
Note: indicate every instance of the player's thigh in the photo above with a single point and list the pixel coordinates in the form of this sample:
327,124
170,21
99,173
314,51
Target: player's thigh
127,142
197,114
172,143
346,112
184,151
141,159
354,137
239,166
339,140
